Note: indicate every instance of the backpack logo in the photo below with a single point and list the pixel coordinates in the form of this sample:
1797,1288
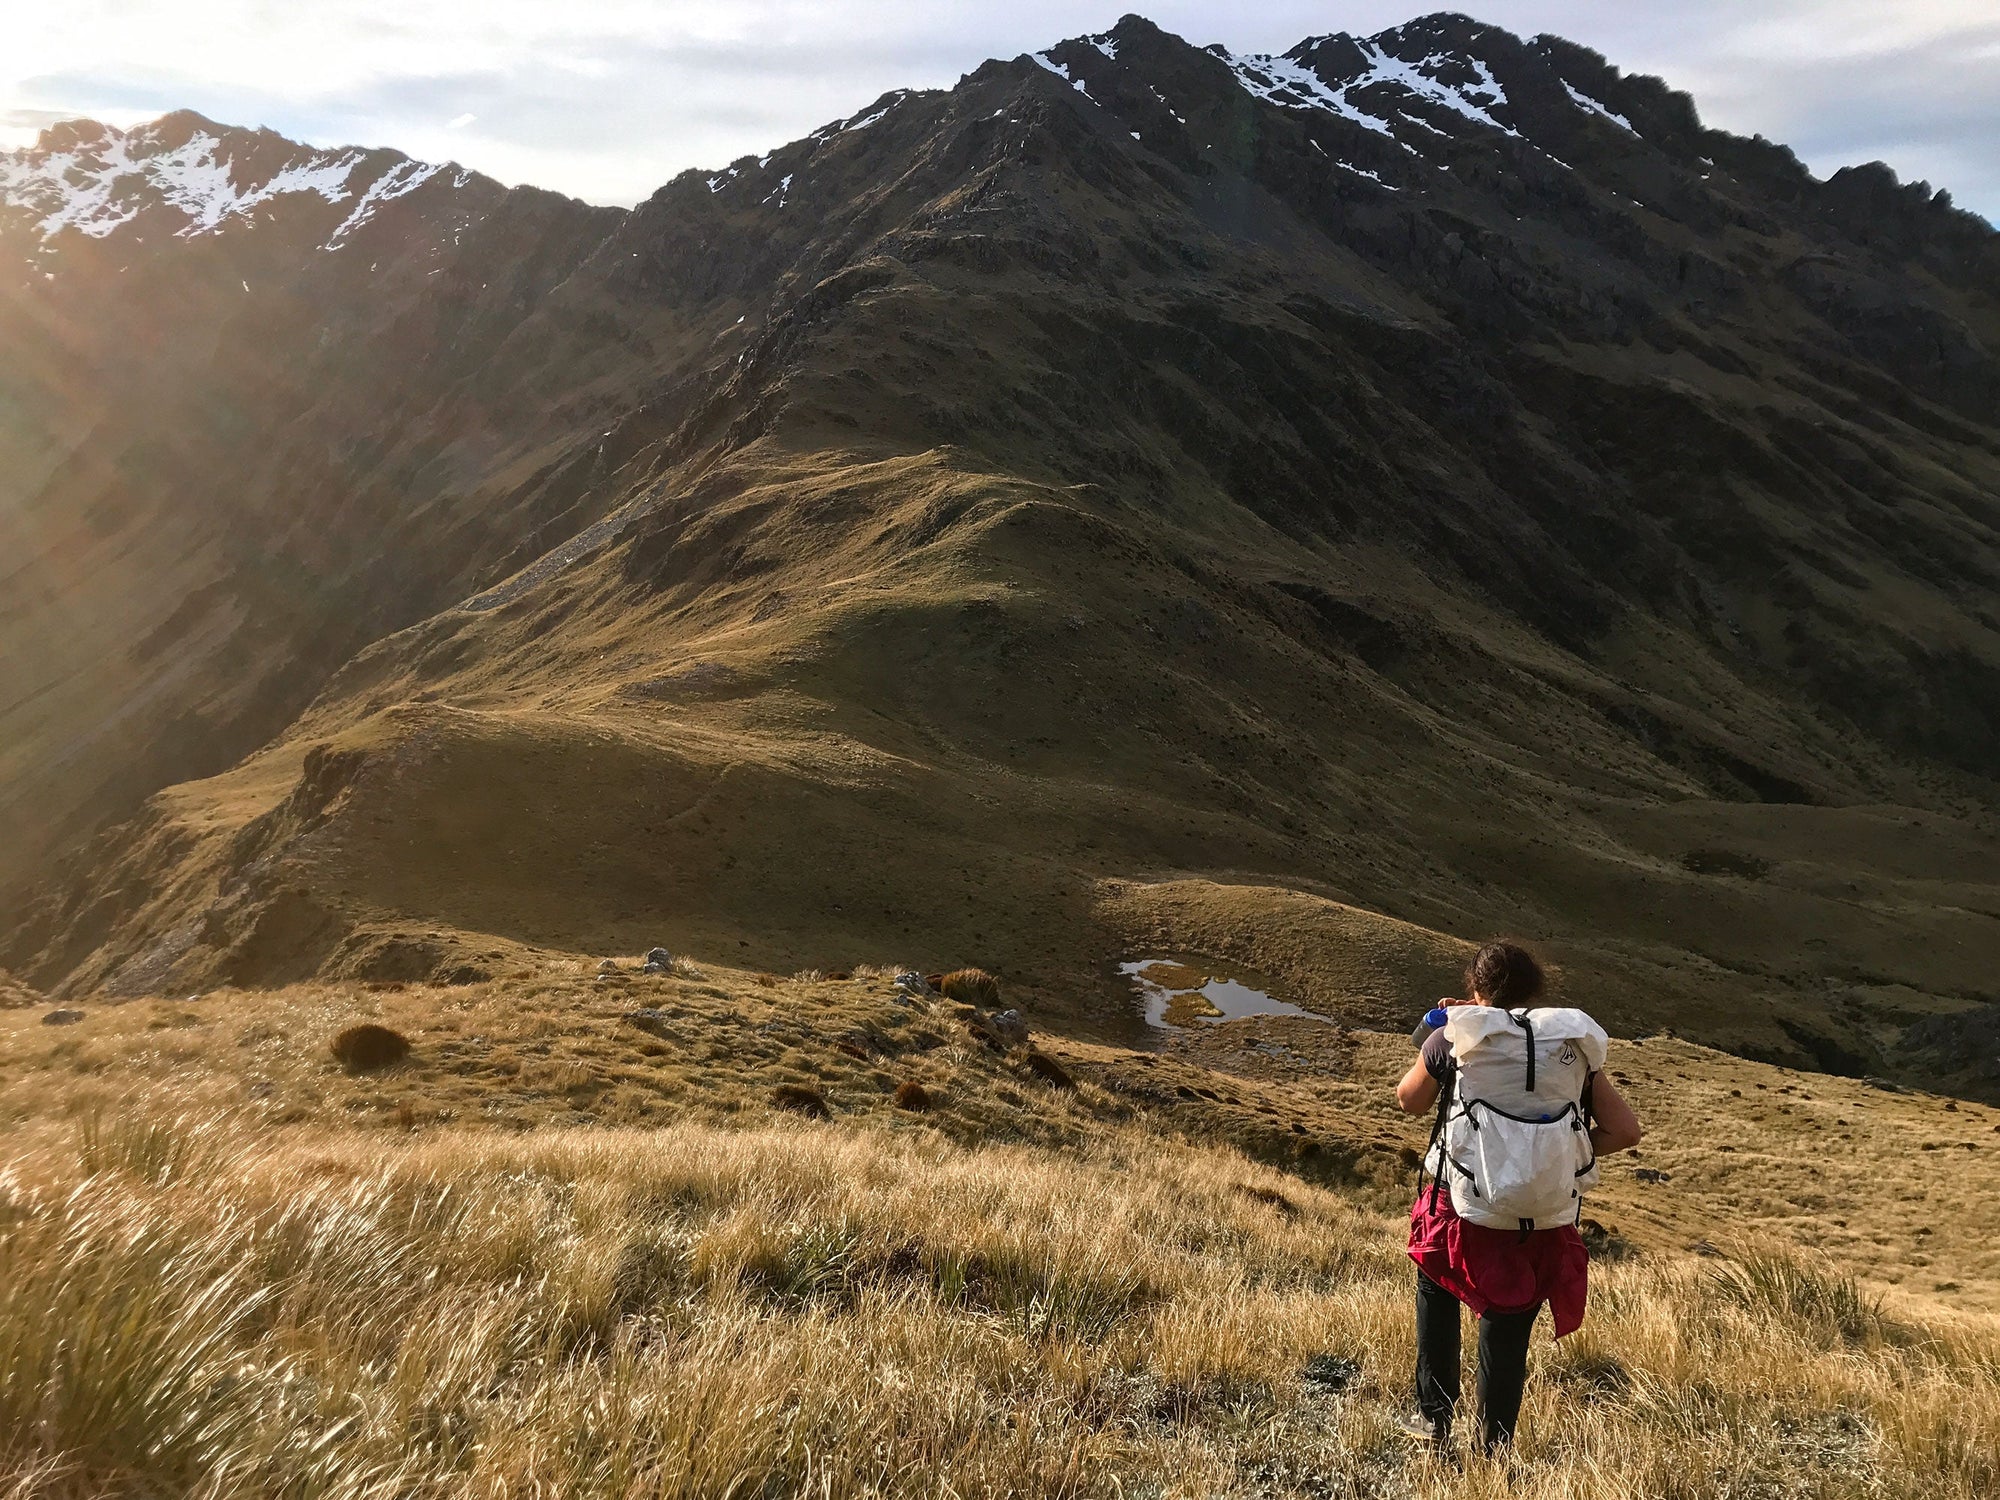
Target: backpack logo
1567,1057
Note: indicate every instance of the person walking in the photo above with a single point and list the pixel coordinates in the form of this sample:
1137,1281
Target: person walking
1524,1111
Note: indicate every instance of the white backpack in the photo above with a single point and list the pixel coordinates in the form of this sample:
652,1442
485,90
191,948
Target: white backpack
1511,1143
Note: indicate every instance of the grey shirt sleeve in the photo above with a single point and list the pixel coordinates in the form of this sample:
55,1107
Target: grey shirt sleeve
1437,1056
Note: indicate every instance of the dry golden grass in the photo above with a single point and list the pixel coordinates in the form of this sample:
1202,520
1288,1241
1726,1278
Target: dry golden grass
199,1305
228,1267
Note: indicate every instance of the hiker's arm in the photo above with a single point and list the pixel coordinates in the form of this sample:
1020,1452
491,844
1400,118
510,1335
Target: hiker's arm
1616,1127
1418,1091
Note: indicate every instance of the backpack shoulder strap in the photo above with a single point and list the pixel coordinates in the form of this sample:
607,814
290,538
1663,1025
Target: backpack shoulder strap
1527,1027
1437,1137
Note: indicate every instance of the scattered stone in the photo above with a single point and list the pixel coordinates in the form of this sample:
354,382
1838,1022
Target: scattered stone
658,961
1051,1072
607,966
62,1018
1009,1027
800,1100
1331,1372
1604,1243
910,982
364,1048
1887,1086
649,1019
1652,1174
914,1097
972,987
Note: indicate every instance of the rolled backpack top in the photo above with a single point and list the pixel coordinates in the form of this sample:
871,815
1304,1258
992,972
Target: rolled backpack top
1511,1143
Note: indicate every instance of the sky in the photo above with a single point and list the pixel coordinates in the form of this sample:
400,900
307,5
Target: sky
607,99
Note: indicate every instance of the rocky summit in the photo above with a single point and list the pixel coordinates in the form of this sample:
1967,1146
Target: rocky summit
1306,510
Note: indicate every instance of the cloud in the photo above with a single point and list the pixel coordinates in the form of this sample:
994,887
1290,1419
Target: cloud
606,101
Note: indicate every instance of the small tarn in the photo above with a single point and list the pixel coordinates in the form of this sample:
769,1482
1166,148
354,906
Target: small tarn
1178,995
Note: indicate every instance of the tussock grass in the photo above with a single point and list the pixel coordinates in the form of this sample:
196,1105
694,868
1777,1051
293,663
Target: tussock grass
970,987
1811,1296
845,1311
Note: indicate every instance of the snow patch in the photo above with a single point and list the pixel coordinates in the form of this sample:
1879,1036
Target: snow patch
1380,97
1062,71
862,122
1282,81
1348,166
1583,101
96,186
1473,102
403,178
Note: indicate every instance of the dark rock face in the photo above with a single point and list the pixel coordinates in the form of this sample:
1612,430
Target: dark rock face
1275,463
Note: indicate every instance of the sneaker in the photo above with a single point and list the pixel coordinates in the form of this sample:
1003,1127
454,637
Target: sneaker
1424,1430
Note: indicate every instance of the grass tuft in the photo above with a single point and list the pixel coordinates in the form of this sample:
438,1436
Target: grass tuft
800,1100
367,1047
969,987
1813,1297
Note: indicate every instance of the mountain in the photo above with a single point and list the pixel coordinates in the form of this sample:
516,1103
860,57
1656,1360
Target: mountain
1142,499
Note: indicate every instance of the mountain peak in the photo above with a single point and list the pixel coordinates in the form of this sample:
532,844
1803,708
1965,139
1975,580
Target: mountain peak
190,176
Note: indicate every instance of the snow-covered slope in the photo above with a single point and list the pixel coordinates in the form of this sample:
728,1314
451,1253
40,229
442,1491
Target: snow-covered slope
193,177
1392,83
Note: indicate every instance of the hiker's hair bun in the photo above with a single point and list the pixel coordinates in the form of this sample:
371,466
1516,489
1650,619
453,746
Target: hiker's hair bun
1504,974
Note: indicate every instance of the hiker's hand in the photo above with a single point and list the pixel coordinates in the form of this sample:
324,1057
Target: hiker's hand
1448,1002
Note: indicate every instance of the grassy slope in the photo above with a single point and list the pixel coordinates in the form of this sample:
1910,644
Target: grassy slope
651,1282
909,706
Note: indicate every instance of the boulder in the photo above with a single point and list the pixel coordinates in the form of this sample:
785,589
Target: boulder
658,961
62,1018
1009,1026
1051,1072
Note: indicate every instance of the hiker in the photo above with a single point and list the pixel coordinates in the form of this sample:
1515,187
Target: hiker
1524,1110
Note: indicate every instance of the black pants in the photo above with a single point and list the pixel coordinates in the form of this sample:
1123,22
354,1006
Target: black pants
1503,1362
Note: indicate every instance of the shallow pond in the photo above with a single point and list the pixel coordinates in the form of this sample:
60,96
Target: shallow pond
1178,995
